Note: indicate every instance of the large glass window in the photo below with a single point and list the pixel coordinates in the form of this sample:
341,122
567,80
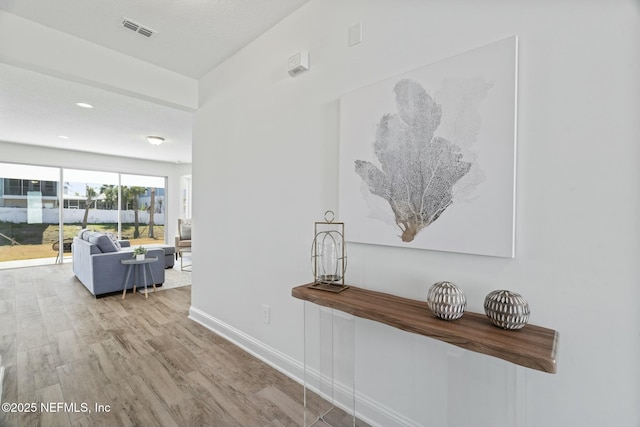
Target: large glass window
29,212
90,201
143,208
32,197
186,197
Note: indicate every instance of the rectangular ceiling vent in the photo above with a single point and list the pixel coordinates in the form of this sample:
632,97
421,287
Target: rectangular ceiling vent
145,31
138,28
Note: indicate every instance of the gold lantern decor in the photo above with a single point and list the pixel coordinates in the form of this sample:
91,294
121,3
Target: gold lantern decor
329,255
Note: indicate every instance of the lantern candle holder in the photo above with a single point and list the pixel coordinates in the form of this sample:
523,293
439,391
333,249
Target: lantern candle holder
329,255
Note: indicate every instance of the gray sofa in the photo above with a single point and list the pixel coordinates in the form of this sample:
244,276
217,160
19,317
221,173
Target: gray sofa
96,262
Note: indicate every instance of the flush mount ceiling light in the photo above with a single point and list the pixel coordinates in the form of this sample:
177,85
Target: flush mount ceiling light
155,140
84,105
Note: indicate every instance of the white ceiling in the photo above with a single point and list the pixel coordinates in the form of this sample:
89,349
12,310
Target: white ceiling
193,37
37,109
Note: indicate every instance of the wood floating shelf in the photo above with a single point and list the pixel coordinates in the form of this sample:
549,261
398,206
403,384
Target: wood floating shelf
532,346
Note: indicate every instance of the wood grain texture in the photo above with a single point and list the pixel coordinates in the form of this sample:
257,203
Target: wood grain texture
143,357
532,346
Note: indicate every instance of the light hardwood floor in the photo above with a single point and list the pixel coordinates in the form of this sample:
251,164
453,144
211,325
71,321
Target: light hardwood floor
143,358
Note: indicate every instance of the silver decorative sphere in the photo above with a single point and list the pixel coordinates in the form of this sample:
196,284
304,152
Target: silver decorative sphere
446,301
506,309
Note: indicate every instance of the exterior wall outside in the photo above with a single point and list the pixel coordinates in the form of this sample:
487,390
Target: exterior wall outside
74,216
145,201
18,199
21,202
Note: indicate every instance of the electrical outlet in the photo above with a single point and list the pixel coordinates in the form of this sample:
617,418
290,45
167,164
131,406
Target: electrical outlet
266,314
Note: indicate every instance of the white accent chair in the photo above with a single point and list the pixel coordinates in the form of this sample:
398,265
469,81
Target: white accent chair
183,239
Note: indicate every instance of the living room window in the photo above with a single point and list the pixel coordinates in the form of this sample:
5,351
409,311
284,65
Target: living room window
90,200
32,198
185,190
143,214
29,214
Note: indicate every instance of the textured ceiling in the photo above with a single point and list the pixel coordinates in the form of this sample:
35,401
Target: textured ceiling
193,37
37,109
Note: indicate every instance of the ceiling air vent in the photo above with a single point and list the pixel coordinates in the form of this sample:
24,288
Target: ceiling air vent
145,31
138,28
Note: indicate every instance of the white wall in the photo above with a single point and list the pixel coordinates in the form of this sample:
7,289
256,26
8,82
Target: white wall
42,156
266,152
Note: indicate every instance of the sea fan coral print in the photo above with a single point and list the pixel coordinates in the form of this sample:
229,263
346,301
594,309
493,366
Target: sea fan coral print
418,169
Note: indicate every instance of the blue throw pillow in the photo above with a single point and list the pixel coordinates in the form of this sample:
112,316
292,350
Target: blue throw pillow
115,241
103,242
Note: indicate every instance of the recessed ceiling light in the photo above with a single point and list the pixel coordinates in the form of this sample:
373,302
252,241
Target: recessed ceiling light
84,105
63,137
155,140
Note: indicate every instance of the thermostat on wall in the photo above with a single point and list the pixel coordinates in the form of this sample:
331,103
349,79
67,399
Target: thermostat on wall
298,63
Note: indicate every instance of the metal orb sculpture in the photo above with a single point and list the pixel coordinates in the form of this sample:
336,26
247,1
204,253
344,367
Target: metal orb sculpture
446,301
506,309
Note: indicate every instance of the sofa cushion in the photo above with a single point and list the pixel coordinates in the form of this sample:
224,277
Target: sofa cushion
184,244
115,240
81,232
185,230
102,241
169,252
103,274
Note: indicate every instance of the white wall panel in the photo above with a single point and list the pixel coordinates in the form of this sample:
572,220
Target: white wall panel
265,154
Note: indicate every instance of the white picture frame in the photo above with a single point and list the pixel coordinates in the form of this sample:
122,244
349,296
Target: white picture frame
438,144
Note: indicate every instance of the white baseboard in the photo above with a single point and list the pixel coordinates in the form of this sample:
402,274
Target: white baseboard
368,410
278,360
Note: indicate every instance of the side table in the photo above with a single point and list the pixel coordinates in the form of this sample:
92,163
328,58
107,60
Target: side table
134,264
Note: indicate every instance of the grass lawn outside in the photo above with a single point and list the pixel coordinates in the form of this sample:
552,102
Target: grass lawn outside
36,240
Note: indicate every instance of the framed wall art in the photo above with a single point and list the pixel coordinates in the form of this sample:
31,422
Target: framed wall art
427,158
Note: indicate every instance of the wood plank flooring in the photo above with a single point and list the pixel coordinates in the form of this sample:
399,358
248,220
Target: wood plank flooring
145,359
